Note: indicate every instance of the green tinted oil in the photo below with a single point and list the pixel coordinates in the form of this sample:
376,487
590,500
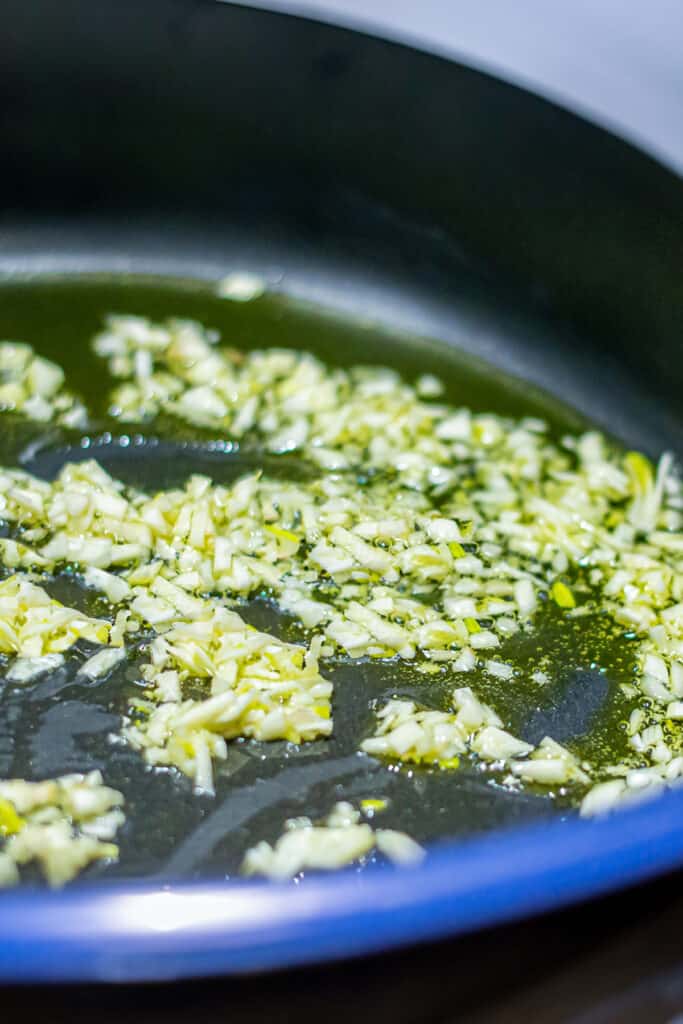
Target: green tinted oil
585,659
59,316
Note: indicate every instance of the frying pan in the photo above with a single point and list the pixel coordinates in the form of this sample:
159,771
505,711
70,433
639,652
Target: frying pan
173,141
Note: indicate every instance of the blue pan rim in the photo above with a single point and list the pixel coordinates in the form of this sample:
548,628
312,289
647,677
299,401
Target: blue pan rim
145,932
141,931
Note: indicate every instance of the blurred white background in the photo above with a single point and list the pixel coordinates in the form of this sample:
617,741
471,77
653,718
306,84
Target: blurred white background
618,61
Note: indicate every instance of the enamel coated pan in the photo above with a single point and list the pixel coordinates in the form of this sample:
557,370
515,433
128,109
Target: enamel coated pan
185,138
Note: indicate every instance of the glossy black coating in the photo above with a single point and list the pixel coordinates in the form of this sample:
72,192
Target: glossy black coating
188,137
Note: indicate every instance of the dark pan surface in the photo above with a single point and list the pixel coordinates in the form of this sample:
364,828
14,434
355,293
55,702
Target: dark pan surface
64,724
382,185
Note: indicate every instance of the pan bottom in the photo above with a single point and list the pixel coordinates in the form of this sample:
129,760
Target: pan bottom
63,725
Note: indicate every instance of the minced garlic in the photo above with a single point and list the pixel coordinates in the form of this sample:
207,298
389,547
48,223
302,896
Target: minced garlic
427,534
341,839
62,824
34,387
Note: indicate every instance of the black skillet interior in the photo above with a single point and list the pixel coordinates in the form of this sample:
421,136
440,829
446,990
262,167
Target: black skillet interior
412,198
